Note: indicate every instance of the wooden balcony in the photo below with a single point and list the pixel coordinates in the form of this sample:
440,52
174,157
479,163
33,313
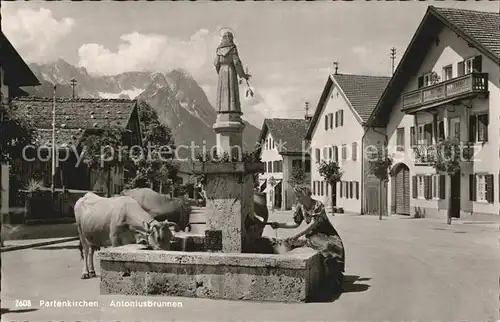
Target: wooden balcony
425,154
451,90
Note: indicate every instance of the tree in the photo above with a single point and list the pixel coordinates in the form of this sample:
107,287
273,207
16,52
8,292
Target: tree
16,132
156,163
331,172
101,151
446,159
298,176
380,166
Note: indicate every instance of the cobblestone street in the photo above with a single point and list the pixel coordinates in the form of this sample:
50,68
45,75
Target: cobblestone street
397,269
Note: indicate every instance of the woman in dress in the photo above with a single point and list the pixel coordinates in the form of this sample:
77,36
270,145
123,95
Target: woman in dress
320,233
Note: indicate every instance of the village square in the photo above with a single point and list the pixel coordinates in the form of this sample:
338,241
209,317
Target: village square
135,191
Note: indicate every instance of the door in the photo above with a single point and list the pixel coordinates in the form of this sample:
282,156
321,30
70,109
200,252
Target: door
455,195
402,190
277,196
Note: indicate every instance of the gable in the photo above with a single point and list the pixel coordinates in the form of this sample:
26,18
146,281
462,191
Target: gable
482,36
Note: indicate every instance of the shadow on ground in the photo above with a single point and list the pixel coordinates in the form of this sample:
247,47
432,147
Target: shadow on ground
56,247
329,294
5,311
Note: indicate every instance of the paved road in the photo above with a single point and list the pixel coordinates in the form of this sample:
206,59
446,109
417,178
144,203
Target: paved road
398,269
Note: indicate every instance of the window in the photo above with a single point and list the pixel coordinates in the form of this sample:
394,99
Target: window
265,166
357,190
344,152
314,187
330,153
468,63
335,153
341,117
351,189
331,120
341,191
435,187
318,155
337,119
420,187
326,187
478,128
322,188
273,143
297,164
326,122
400,139
440,134
473,64
427,79
481,187
354,151
455,127
448,72
413,138
269,166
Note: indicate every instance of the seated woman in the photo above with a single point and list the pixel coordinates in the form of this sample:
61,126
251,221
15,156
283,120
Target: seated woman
320,233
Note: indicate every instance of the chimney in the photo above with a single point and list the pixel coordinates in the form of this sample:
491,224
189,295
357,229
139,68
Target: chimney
307,117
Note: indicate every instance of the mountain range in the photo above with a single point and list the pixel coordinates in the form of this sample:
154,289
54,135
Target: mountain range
179,101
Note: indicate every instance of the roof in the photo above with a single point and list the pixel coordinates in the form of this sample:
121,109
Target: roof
479,29
17,72
85,113
290,132
482,27
74,117
361,91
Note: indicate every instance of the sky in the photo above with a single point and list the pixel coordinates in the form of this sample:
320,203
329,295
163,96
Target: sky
288,47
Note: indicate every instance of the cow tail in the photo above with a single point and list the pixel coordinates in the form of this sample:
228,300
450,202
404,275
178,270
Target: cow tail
80,247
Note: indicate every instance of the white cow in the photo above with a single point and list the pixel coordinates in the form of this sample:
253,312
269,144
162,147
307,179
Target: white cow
115,221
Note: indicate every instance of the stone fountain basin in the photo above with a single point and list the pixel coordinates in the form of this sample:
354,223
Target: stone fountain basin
292,276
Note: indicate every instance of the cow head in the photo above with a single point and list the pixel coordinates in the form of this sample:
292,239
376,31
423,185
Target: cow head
159,234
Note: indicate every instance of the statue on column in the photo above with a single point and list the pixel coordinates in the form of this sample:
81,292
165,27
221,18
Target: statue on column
228,66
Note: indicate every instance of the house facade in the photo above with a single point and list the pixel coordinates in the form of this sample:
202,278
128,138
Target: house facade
447,85
282,147
15,74
77,119
338,132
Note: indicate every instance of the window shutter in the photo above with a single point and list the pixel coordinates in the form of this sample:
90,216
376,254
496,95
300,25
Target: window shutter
331,120
420,81
461,68
340,188
472,128
326,122
414,187
442,186
357,190
351,187
427,187
413,140
489,188
342,118
336,153
337,119
477,64
472,187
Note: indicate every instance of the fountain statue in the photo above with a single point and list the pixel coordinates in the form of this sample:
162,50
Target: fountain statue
225,262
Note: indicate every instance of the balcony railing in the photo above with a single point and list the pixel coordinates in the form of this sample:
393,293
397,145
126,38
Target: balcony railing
425,154
449,90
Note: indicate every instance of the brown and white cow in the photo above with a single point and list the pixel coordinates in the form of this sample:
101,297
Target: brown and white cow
115,221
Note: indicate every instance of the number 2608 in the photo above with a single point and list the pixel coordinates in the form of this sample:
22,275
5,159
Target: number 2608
23,303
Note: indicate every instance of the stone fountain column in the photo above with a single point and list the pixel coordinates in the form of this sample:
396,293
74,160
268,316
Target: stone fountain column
229,186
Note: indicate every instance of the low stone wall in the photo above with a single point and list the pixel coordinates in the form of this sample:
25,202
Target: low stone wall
294,276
